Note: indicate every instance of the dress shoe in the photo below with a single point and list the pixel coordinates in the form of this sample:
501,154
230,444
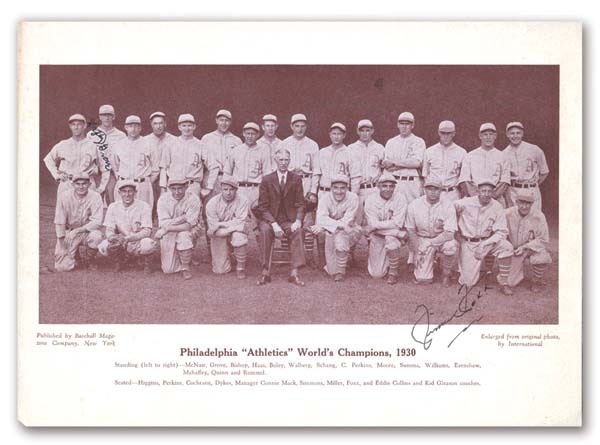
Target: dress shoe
295,279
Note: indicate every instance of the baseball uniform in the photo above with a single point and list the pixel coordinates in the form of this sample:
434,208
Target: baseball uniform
157,146
481,164
367,158
71,156
481,227
73,212
228,226
176,247
332,161
104,141
272,146
218,146
133,160
333,216
248,165
387,218
303,153
526,162
531,232
406,149
445,164
434,226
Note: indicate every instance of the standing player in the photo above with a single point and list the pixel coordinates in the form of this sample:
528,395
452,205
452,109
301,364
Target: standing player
367,155
528,167
78,219
71,156
336,214
403,157
444,161
482,227
385,213
528,233
431,225
485,162
133,160
227,218
128,224
269,138
178,213
104,138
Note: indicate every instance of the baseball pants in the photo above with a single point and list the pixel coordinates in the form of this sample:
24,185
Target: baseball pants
425,261
537,260
219,247
64,260
470,267
384,253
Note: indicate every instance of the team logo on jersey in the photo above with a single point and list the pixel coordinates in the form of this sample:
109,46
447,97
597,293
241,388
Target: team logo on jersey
438,225
498,171
256,170
342,170
529,168
142,161
390,214
375,161
86,163
489,226
137,226
196,161
307,166
531,236
455,168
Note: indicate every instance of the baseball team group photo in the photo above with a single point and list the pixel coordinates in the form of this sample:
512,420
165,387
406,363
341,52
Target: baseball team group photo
297,194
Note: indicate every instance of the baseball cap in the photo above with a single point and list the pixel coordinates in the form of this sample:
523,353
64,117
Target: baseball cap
106,109
446,126
488,126
157,114
433,181
230,180
133,119
80,175
364,123
527,197
406,116
340,178
338,125
77,117
486,181
177,181
225,113
269,117
298,117
514,124
186,118
251,126
127,183
386,177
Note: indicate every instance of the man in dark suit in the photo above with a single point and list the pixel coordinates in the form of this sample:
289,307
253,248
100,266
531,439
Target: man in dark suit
280,213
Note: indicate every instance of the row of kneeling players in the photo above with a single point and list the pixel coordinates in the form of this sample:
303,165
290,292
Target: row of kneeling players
459,235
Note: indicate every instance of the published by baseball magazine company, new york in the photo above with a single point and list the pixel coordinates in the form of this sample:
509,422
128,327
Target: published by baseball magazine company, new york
325,234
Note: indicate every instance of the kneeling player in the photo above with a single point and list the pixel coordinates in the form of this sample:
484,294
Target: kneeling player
385,212
128,223
227,220
178,213
431,224
528,233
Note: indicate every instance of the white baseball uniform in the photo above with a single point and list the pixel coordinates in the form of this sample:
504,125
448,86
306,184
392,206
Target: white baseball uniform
104,141
484,164
273,146
71,213
445,163
529,231
303,154
484,227
335,161
218,146
402,149
186,210
233,218
434,225
387,217
133,160
71,156
368,158
527,162
248,165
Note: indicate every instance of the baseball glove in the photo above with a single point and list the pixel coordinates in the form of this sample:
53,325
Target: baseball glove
116,243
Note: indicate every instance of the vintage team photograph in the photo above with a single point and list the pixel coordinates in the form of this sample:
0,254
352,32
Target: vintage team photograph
299,194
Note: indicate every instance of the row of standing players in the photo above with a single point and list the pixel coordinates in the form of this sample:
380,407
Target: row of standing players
155,159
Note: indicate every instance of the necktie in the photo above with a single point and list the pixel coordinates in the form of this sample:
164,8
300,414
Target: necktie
282,182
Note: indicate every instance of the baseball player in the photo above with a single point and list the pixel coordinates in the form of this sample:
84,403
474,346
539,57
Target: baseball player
104,138
336,213
303,151
128,224
227,218
485,162
218,145
157,140
269,137
78,219
248,163
367,155
528,167
444,160
385,212
178,213
133,160
70,156
528,233
482,227
431,225
403,157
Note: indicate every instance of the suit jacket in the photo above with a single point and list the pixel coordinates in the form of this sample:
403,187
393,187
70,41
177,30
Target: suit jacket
270,198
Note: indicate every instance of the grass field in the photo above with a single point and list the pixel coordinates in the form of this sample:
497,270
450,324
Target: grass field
82,296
